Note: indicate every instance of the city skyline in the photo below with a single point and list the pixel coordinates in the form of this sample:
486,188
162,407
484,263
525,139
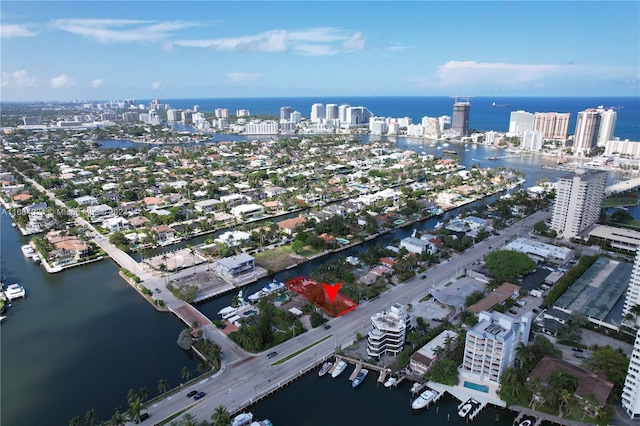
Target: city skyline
266,49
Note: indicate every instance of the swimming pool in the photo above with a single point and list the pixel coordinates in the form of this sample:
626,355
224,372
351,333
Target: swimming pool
475,386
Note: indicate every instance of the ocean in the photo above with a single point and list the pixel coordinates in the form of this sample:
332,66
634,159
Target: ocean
483,115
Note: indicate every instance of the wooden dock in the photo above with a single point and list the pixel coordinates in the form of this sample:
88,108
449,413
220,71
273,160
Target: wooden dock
355,371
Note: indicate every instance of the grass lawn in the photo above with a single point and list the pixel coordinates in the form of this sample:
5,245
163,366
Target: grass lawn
619,201
279,258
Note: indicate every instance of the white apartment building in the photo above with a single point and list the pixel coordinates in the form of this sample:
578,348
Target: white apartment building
632,298
331,112
415,130
587,130
607,126
378,126
296,116
342,112
520,121
261,128
318,113
389,331
631,390
579,197
285,113
531,140
553,125
172,115
222,112
431,127
490,346
625,148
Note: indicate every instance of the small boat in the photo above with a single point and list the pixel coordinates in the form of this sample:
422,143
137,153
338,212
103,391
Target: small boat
493,158
3,317
325,368
424,399
339,369
265,291
35,258
391,381
230,311
500,105
28,251
14,291
243,419
417,387
465,409
525,423
449,151
362,374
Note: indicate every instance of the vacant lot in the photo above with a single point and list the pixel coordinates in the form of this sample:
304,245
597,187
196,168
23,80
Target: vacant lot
280,258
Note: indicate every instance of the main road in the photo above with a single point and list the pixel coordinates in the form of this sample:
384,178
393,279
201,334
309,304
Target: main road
245,377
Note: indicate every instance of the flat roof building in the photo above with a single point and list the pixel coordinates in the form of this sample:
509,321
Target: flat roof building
389,331
541,252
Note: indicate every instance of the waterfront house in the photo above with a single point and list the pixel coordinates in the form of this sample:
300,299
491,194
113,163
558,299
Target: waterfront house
247,211
163,232
87,200
98,211
115,224
21,198
289,225
138,221
206,206
235,267
423,359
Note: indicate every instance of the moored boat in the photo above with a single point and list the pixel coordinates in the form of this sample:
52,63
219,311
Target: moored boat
391,381
465,409
424,399
265,291
230,311
339,369
28,251
325,368
362,374
14,291
242,419
417,387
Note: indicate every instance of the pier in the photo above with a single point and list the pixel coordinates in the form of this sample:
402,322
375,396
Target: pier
540,417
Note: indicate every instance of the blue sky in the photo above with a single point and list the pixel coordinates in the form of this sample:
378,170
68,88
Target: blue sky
94,50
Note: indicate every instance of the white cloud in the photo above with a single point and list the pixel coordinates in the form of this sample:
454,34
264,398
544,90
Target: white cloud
121,30
11,31
354,43
97,83
155,85
62,81
514,76
243,77
17,80
315,41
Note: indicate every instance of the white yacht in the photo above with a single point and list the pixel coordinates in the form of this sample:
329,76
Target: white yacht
325,368
243,419
339,369
265,291
417,387
465,409
14,291
424,399
230,311
28,251
362,374
391,381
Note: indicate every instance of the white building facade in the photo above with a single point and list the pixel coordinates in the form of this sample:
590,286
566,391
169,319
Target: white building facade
631,390
389,331
632,298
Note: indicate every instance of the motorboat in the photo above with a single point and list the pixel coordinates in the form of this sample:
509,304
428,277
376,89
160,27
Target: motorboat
265,422
3,317
525,423
417,387
465,409
391,381
28,251
242,419
362,374
265,291
14,291
342,365
424,399
230,311
35,258
325,368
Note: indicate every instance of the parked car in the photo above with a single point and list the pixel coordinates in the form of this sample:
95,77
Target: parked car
199,395
143,417
192,393
423,277
577,350
326,326
272,354
535,311
511,311
436,319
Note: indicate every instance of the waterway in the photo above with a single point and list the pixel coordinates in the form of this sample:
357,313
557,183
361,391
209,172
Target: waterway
82,338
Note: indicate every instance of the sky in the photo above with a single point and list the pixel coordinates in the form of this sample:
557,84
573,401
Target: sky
102,50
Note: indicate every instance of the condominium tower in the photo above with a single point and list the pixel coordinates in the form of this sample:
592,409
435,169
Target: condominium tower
389,331
579,197
490,346
553,125
595,127
461,112
520,121
631,390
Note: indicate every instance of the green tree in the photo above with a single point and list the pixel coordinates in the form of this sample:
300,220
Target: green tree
221,417
445,371
162,386
185,373
117,419
506,265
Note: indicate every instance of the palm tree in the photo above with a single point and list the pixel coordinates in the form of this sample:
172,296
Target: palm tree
143,392
132,396
193,256
188,420
565,397
185,373
90,417
75,421
118,419
133,413
162,386
221,416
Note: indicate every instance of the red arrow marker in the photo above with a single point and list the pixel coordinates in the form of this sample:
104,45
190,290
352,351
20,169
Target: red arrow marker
331,290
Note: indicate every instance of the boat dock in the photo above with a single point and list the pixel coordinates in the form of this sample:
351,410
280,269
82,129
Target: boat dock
540,417
355,371
361,364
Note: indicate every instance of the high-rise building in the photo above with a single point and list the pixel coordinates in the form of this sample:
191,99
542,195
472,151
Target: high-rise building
342,113
553,125
632,299
461,112
520,121
579,197
357,116
285,113
490,346
607,126
186,116
389,331
296,116
222,112
331,112
130,117
317,113
172,115
631,390
587,130
531,140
